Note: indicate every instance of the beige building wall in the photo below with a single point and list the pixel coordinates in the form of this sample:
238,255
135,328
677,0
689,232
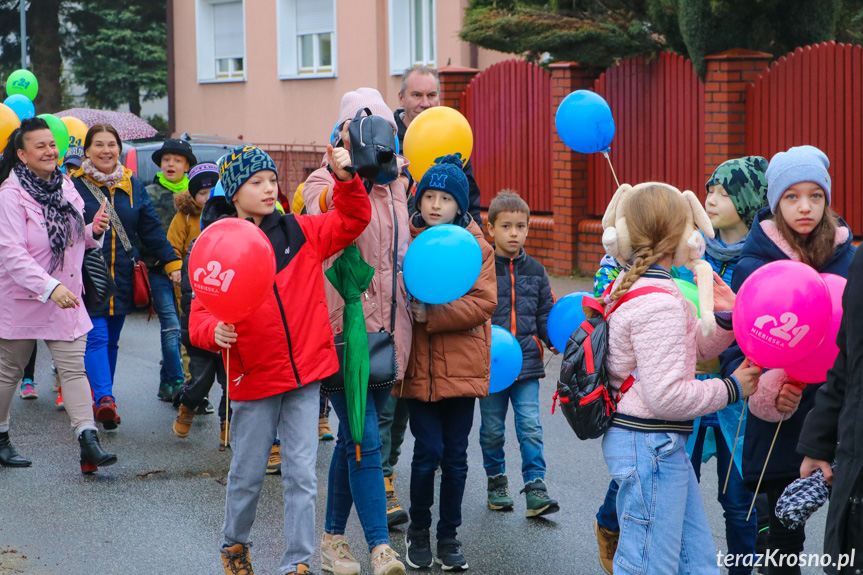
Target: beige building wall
266,109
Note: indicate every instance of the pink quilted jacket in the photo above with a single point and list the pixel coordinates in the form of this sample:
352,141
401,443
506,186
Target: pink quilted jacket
658,339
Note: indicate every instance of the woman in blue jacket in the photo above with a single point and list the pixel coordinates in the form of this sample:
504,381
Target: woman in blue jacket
103,176
798,225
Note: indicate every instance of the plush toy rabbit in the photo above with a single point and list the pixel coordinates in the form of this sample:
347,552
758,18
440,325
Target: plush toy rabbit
616,241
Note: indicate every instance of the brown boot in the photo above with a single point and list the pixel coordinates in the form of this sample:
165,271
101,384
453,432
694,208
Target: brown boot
236,561
184,421
395,514
324,431
225,435
607,541
274,464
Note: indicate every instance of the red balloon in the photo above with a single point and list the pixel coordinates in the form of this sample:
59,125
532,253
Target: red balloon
232,268
814,368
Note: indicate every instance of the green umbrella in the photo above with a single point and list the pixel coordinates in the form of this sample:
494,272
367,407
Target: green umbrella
351,275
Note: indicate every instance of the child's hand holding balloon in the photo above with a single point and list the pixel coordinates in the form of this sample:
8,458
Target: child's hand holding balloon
747,376
419,310
788,398
226,335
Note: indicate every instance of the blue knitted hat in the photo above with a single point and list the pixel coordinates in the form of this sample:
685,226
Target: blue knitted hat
447,175
798,164
240,164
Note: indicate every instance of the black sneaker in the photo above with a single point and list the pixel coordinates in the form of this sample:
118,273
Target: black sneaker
419,555
205,408
449,555
166,392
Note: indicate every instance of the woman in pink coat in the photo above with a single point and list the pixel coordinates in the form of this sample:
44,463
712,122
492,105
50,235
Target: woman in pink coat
382,245
42,242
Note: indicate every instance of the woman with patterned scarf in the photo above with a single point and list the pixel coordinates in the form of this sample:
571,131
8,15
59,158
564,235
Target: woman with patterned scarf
102,176
42,239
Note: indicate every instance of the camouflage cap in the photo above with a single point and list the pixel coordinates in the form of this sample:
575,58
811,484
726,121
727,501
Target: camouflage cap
746,183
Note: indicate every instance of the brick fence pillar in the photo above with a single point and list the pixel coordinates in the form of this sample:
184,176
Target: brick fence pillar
569,173
453,81
728,73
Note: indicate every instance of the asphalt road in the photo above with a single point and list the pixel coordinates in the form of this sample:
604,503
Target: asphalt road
160,509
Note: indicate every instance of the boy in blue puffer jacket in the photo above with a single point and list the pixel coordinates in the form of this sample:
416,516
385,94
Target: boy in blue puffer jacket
524,300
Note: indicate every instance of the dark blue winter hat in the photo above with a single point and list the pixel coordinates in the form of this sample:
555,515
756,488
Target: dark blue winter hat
447,175
240,164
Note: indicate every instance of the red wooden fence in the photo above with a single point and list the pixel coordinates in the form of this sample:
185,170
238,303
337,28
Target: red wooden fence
658,109
814,96
509,109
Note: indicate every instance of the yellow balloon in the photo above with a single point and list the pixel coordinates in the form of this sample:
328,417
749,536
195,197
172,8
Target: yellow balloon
8,123
77,130
437,132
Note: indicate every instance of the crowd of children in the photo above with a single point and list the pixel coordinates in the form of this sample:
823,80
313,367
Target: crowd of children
681,379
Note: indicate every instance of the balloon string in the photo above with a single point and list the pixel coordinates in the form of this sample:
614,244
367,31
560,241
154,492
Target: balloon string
227,394
612,167
763,469
731,463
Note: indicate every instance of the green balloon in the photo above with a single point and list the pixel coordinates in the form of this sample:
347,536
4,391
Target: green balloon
22,82
690,292
60,131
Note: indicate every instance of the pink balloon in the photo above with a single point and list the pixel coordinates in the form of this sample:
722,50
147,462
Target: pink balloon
814,368
782,313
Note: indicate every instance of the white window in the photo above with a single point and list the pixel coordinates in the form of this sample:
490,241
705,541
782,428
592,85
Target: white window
221,40
412,34
307,38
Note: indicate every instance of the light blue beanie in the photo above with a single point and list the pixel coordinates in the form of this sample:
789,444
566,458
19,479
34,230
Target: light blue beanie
798,164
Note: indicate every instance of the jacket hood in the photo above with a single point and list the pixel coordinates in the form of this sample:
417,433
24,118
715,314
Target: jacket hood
186,204
767,244
217,208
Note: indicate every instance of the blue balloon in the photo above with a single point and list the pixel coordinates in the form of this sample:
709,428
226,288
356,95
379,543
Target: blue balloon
584,122
506,359
442,264
565,317
21,105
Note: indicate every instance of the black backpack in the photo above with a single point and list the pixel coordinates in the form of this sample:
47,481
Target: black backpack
583,387
373,148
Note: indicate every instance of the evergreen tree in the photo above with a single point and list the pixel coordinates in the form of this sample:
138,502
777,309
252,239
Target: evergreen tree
597,32
118,51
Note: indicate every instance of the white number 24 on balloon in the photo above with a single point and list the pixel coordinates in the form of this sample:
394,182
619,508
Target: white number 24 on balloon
216,277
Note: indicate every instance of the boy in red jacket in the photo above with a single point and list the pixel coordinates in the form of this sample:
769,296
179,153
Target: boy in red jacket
280,353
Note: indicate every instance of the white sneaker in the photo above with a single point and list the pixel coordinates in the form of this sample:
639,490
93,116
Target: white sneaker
336,557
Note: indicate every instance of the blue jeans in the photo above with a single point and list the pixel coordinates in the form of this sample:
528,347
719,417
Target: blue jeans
524,396
100,359
740,533
358,484
606,517
658,505
440,430
163,303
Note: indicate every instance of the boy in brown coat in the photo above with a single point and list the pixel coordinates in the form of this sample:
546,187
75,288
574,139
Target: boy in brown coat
447,371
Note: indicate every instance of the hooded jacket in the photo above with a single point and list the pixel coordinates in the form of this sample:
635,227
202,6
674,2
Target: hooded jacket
130,200
451,352
524,300
764,245
186,225
387,230
288,342
833,429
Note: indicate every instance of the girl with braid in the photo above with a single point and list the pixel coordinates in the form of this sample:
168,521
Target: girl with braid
654,342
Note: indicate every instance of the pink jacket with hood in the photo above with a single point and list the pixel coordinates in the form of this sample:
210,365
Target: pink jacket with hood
28,312
388,230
